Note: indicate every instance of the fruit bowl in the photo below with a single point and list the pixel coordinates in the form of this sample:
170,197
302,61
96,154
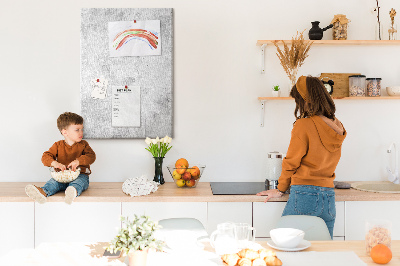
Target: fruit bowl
65,176
186,177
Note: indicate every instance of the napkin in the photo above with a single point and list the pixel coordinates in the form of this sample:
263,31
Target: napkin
315,258
139,186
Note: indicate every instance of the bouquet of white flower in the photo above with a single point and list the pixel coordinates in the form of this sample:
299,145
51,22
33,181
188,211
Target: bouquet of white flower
158,147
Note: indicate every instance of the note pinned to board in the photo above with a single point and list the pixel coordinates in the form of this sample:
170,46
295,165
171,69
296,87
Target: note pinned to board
126,106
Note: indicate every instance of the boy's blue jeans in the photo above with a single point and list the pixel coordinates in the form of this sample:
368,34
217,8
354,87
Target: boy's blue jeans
314,201
80,184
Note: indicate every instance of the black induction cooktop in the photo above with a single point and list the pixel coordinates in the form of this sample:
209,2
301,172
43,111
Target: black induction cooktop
237,188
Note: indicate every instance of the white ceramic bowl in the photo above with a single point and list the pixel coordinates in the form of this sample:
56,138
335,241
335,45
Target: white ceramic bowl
286,237
393,91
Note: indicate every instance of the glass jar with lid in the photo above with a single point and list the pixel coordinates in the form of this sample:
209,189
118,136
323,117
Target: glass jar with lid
374,87
357,84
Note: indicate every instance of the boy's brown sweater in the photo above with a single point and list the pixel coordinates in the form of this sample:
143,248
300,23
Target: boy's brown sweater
65,154
313,154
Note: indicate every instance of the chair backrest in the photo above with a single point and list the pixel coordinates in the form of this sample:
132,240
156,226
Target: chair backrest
314,227
181,224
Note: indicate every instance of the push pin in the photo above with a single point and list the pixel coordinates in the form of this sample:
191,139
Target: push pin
126,86
134,21
98,80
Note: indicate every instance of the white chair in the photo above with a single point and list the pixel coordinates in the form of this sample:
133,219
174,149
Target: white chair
181,224
314,227
182,233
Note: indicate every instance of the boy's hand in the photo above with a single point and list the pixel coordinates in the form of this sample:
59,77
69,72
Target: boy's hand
58,165
74,164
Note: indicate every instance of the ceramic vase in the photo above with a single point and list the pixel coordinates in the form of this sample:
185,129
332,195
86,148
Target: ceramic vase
138,257
158,175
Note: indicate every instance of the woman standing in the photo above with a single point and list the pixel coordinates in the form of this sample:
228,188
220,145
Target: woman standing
313,154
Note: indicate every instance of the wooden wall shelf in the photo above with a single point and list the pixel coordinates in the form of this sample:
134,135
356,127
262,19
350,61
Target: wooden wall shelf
339,42
264,99
264,43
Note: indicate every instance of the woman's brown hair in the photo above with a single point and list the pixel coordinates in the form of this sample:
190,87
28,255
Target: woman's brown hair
319,101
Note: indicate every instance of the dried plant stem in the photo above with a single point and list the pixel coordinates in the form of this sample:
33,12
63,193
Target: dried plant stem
292,58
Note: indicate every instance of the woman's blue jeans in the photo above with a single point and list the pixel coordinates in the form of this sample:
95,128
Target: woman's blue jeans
314,201
80,184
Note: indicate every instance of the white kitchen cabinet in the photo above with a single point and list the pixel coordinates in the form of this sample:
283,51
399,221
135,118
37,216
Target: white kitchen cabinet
220,212
79,222
358,212
16,226
165,210
266,215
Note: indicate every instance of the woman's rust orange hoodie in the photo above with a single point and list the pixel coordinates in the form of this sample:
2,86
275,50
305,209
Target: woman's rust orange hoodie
313,154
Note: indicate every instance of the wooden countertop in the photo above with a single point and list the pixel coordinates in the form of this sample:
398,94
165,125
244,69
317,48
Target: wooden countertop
112,192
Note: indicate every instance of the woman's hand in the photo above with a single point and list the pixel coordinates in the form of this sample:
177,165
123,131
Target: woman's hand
272,193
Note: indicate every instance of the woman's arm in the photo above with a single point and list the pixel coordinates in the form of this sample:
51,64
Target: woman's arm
298,148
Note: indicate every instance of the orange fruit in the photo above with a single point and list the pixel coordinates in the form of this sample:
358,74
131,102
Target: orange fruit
381,254
181,163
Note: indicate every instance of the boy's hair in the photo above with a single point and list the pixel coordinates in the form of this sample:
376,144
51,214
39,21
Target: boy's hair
319,100
66,119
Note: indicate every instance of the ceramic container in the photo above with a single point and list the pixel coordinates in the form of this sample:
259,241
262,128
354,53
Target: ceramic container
393,91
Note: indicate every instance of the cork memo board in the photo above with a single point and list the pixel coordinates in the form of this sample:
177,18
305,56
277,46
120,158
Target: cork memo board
127,72
341,80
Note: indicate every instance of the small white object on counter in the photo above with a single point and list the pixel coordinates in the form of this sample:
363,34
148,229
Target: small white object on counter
393,91
139,186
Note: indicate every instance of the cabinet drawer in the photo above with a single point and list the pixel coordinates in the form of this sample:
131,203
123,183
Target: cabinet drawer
16,216
358,212
79,222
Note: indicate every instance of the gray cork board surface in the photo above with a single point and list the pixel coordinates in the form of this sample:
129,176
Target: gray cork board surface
154,75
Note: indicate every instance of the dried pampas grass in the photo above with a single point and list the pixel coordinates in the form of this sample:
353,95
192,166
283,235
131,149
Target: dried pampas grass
292,58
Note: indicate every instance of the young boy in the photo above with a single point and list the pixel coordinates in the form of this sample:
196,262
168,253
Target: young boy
68,153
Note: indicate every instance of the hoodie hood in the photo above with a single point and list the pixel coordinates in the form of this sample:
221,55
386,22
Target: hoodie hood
331,133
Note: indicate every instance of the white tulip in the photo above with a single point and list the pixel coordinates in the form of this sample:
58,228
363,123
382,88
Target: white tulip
162,140
158,140
147,140
154,141
169,140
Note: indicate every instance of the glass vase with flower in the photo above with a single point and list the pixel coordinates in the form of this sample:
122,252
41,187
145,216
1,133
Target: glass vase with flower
158,148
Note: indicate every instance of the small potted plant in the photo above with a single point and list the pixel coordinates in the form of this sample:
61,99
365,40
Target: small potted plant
276,91
135,238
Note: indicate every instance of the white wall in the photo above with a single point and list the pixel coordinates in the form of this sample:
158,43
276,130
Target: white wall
216,84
